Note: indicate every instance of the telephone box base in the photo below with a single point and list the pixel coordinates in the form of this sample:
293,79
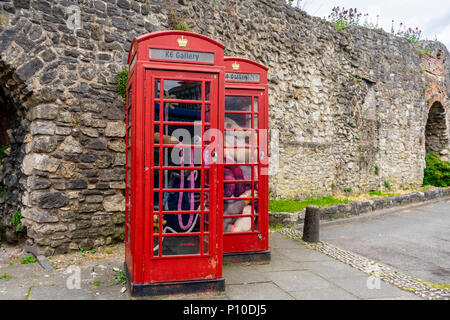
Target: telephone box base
171,288
261,257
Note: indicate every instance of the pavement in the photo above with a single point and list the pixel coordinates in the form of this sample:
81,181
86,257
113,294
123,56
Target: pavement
415,239
294,273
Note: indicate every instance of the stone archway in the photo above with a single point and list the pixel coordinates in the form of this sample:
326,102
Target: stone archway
436,131
13,129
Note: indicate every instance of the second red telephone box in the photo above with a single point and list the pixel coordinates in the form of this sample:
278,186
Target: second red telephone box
245,203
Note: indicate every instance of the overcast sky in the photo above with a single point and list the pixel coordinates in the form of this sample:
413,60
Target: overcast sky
431,16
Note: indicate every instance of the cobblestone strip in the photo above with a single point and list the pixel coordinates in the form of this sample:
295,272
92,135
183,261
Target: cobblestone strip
421,288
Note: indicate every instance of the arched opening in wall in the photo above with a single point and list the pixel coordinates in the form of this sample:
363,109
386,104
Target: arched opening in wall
436,136
13,128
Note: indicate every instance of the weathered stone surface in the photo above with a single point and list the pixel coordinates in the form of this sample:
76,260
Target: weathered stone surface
44,144
114,203
37,183
76,184
42,127
71,145
117,145
40,216
41,162
115,129
53,200
45,112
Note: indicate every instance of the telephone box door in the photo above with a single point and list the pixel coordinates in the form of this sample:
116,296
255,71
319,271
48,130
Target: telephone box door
245,219
181,177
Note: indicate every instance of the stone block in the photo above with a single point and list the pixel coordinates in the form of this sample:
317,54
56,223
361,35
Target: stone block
45,112
52,200
114,203
115,129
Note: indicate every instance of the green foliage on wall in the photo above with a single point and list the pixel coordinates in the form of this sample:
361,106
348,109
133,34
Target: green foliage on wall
16,220
121,83
2,150
437,172
182,26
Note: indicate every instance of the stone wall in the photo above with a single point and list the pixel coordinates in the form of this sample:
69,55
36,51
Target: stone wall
350,105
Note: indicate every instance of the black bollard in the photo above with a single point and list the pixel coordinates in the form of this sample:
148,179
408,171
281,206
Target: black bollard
311,226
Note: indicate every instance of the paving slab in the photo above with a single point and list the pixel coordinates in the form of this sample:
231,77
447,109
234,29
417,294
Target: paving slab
302,254
299,280
241,274
359,288
257,291
332,269
332,293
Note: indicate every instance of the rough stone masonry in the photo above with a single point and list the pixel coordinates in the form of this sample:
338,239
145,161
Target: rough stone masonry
351,106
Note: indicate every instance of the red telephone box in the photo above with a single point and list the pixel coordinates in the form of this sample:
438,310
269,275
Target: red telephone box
246,188
173,181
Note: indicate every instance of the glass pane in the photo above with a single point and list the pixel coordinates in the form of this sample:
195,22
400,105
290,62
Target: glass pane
206,244
155,201
179,223
182,245
157,88
255,207
234,225
235,207
157,132
235,103
186,134
255,190
207,113
156,250
182,179
190,201
236,190
183,112
255,104
208,91
238,121
129,156
156,179
255,121
129,176
156,157
157,108
206,222
156,224
239,138
238,155
206,184
182,90
255,173
182,157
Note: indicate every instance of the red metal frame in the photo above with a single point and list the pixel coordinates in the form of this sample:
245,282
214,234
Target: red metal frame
145,267
246,78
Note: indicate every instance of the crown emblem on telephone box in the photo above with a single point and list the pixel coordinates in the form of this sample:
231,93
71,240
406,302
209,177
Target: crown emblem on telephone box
182,42
235,66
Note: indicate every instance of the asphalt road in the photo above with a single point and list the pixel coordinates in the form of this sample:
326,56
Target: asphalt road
415,240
